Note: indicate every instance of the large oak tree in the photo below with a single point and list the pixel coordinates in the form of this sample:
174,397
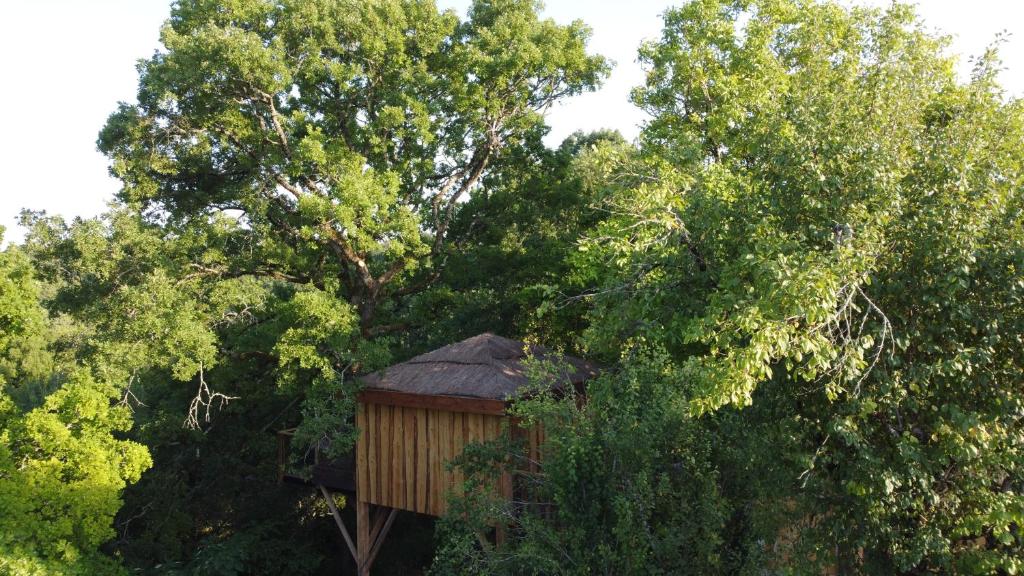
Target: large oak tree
342,133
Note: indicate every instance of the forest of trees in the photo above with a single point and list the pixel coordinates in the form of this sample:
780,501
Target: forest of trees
805,280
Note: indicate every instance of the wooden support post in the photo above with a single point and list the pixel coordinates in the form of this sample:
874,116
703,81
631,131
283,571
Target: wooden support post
370,539
380,539
379,517
338,521
362,537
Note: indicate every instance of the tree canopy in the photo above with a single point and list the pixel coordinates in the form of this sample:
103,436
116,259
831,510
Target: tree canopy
343,134
804,281
810,273
62,468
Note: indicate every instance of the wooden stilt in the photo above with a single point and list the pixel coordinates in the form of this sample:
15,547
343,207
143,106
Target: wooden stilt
380,539
363,543
369,539
338,521
379,517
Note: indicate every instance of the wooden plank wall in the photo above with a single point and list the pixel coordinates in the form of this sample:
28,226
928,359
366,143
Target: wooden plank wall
402,452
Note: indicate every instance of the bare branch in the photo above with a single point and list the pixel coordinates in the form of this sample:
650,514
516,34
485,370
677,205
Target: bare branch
203,401
129,398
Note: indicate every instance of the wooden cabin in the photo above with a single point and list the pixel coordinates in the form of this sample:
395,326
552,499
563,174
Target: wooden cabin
416,416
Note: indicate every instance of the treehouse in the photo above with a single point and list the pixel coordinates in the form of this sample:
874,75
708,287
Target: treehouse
415,417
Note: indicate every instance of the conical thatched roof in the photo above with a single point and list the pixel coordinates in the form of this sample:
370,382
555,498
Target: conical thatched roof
484,366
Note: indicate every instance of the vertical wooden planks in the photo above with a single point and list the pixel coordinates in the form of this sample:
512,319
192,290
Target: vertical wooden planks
386,441
474,428
504,429
362,474
403,453
422,463
409,477
448,450
382,462
486,428
436,496
492,432
492,427
397,457
373,450
458,444
447,441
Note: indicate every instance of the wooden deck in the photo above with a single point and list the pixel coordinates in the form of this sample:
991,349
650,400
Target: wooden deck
338,475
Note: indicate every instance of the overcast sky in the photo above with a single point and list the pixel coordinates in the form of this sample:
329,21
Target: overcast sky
66,63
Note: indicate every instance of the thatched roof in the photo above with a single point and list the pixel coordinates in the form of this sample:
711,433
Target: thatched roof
484,366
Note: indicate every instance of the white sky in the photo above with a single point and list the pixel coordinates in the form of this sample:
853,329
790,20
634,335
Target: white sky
65,64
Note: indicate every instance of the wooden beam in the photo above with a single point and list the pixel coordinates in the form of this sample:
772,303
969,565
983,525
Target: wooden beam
379,517
380,539
447,403
338,521
362,536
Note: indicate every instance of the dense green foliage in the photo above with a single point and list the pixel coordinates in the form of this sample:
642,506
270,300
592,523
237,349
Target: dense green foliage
344,133
61,476
62,467
805,280
811,273
293,175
